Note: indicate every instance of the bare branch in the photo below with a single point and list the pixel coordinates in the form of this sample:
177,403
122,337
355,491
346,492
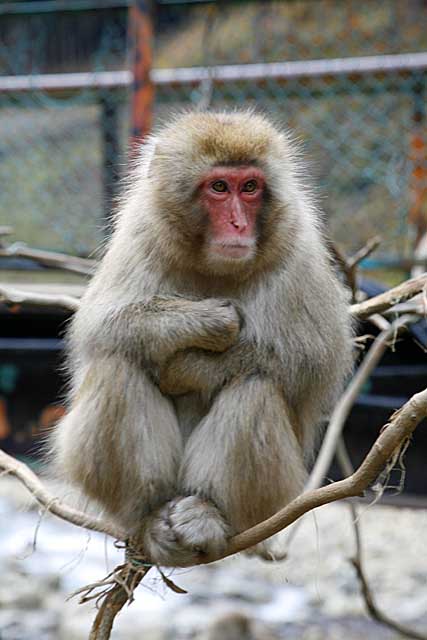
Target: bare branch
384,301
126,581
332,437
364,252
344,405
372,606
348,273
83,266
379,321
362,310
417,305
357,561
349,266
51,503
19,296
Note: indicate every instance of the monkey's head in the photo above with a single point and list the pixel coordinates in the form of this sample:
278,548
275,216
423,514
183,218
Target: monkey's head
225,189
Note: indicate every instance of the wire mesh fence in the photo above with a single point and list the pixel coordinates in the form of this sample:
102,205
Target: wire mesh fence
349,77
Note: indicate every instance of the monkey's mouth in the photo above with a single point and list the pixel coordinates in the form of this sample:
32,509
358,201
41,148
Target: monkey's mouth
234,250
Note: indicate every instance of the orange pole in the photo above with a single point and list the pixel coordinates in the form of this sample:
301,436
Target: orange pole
5,429
418,154
140,30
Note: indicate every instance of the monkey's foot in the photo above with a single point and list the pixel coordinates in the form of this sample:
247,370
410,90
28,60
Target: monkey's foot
272,550
184,530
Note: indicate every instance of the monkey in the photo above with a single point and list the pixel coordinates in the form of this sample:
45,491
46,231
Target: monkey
210,344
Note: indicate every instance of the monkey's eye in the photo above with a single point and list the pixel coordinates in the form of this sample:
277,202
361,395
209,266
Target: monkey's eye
219,186
250,186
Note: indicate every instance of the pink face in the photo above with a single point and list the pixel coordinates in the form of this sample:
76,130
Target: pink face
232,198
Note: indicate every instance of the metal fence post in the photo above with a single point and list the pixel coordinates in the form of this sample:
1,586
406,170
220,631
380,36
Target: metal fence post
140,43
110,154
418,210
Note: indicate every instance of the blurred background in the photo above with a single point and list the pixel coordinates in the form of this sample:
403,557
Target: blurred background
349,77
81,83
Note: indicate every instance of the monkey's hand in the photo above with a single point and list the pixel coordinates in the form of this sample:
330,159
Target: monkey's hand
184,372
218,324
199,370
172,323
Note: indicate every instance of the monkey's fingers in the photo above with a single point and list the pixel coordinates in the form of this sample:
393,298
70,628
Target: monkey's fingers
182,530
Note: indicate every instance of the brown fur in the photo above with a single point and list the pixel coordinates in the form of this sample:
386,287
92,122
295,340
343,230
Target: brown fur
199,384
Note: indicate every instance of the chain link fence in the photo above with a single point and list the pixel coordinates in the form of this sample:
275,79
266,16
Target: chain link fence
348,76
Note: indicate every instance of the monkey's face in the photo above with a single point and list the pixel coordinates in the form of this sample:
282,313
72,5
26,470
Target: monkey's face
225,201
231,198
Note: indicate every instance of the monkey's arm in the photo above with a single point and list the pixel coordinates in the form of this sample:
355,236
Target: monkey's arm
201,371
153,330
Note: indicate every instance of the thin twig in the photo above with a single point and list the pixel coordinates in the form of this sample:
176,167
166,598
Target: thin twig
349,266
372,606
364,252
347,469
115,599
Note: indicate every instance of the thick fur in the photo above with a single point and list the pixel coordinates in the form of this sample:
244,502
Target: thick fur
199,384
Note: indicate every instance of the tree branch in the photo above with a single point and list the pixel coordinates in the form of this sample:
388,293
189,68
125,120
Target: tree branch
357,561
369,598
84,266
126,581
349,265
402,423
52,504
19,296
364,252
361,310
345,403
378,304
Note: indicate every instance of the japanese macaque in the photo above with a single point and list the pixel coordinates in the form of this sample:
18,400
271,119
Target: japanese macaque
211,343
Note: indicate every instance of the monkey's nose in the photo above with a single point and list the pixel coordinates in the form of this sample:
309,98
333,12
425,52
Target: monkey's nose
238,221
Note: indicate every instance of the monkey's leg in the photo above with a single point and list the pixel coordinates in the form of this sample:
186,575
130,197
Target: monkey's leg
120,442
244,455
